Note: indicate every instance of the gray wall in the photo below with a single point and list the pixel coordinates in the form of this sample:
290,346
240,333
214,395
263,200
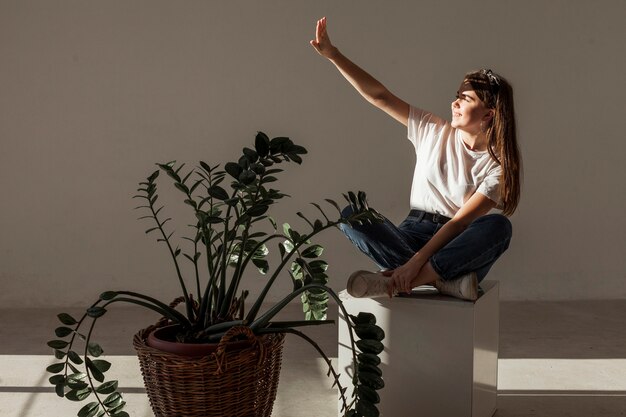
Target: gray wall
94,93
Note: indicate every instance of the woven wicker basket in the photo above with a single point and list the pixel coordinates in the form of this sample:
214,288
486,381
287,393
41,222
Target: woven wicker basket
226,383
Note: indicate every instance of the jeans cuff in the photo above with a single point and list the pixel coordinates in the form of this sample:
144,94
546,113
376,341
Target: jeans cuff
436,267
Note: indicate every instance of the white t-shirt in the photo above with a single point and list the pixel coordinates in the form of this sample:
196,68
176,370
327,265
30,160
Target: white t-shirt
447,173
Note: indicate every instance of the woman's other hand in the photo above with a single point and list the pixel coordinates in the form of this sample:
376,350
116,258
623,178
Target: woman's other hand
402,277
322,42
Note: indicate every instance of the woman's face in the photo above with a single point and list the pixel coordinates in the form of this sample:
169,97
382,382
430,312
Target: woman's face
468,111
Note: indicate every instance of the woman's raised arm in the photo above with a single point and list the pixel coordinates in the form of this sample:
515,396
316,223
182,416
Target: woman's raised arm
370,88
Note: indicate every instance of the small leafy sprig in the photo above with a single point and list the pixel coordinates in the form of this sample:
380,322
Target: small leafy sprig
367,378
75,385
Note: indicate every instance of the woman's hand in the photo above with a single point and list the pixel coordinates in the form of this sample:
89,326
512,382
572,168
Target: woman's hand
402,277
322,42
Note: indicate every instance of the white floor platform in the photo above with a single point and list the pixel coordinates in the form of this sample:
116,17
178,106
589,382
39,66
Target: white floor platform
557,359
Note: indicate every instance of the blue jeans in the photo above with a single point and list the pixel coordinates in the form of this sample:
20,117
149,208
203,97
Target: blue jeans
476,249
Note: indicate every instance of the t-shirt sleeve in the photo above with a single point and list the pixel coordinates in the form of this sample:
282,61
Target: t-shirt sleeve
490,187
422,123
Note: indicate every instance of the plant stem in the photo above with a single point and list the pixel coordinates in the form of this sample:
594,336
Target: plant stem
320,351
166,239
88,372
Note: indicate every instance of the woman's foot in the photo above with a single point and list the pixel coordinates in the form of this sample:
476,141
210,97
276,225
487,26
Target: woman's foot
366,284
464,287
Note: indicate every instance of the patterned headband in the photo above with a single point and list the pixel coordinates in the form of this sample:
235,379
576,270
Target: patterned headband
493,78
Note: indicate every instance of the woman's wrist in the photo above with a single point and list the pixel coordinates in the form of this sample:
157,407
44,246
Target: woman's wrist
333,54
418,259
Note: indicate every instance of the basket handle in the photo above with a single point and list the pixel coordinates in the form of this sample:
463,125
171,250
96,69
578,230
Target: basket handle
233,332
164,320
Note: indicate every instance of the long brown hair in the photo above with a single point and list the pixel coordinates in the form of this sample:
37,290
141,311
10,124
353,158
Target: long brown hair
497,94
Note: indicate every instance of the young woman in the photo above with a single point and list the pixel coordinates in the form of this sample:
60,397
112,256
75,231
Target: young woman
464,168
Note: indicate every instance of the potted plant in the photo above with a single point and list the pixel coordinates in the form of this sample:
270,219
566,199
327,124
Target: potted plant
225,242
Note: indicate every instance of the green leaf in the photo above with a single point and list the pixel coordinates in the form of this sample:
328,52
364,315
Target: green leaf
318,266
319,315
56,379
247,177
364,367
371,380
369,358
244,162
96,312
353,200
313,251
369,331
98,376
370,346
67,319
276,144
218,192
120,414
57,344
101,365
108,295
63,331
258,168
262,144
80,395
233,169
59,354
251,155
89,410
367,409
76,377
257,210
334,204
95,368
262,264
112,400
74,357
94,349
205,166
153,176
117,409
107,388
368,394
77,385
363,318
295,158
60,390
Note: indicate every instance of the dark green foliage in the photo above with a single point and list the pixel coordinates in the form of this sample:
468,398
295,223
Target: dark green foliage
369,358
368,373
371,380
368,394
370,346
363,318
226,204
369,331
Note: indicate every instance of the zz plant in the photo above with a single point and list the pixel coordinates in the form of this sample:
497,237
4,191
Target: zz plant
221,247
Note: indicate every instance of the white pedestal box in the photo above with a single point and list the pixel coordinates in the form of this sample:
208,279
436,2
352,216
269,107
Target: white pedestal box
441,353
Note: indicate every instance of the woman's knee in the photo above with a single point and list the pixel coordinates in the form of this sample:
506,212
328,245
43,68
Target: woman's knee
497,222
347,211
